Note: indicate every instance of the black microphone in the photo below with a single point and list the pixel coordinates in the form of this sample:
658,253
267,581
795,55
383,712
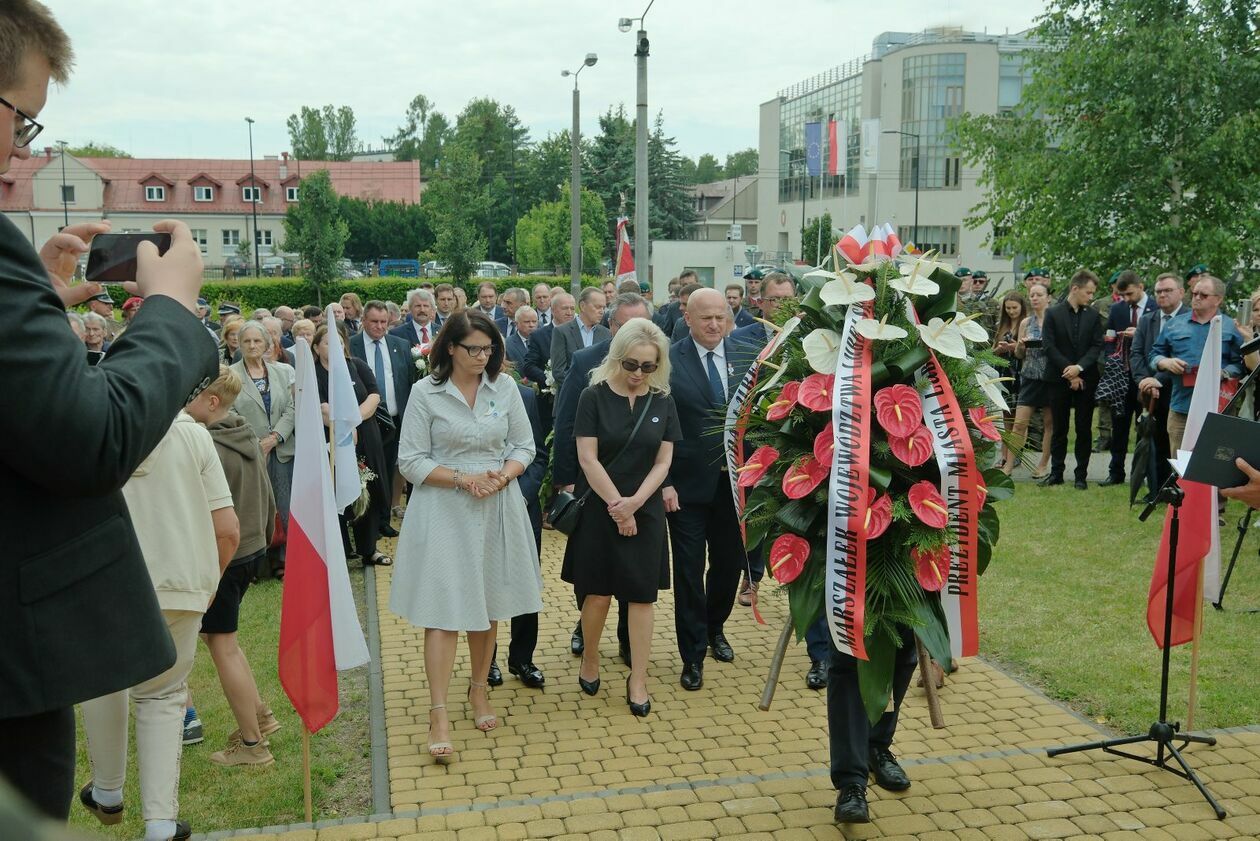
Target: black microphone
1250,347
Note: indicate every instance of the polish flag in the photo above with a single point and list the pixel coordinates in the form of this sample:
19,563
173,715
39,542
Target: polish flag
853,244
343,410
878,244
894,242
319,624
625,257
1199,541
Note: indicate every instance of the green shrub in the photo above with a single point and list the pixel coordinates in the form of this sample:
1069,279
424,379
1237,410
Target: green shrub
272,292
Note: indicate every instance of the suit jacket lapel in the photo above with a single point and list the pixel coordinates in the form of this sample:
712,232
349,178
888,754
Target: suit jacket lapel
695,368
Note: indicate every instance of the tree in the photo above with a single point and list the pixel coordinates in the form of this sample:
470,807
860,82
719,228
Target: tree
544,168
708,169
610,166
323,135
421,136
543,233
817,238
742,164
671,210
494,134
385,229
455,200
1134,142
245,250
314,229
92,149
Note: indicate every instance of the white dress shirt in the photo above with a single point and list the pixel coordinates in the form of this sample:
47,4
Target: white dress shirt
719,360
386,388
427,327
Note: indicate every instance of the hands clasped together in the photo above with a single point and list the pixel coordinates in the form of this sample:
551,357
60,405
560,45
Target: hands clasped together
482,485
622,509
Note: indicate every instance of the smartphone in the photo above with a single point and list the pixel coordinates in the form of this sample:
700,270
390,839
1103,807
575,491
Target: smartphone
113,256
1032,343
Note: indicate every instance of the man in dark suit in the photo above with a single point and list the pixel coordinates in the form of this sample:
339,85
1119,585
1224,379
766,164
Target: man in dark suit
1072,334
564,470
421,328
513,299
678,328
1155,387
705,369
581,332
525,626
78,614
735,298
389,357
524,323
538,356
1122,322
487,295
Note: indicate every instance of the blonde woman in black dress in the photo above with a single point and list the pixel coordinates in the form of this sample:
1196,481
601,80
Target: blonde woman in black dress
618,547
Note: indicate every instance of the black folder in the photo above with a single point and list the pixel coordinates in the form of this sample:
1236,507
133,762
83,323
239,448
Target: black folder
1222,439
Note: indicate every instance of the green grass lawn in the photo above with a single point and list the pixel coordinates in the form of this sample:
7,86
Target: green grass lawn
1063,605
214,798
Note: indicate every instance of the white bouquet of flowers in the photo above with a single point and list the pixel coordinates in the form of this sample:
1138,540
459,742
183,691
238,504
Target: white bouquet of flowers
420,357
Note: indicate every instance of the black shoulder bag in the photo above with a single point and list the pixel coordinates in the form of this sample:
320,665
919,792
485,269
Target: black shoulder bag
565,508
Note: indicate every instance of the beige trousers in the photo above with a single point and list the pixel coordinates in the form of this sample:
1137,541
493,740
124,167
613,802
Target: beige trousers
1176,431
159,726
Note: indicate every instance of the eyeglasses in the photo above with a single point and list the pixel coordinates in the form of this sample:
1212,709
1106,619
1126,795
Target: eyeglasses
478,351
633,365
22,134
1165,291
1203,295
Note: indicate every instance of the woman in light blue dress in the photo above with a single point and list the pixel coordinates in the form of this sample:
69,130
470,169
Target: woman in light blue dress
466,558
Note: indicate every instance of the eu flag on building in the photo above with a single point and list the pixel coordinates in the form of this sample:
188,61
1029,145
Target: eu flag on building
813,149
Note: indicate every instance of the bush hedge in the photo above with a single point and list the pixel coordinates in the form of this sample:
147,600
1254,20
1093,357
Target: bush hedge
272,292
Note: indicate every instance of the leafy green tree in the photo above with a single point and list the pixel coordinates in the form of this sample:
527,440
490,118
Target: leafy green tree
496,136
609,169
92,149
543,169
323,135
742,163
455,201
543,233
385,229
314,229
421,136
818,231
1134,143
708,169
671,210
245,250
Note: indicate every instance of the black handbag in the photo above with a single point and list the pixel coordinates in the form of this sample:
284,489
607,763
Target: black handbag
566,509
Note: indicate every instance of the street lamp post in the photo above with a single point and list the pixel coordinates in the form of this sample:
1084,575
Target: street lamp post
641,237
253,194
65,204
917,142
575,181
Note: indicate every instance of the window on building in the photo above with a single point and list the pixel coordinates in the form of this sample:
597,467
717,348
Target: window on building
203,193
263,238
67,194
199,237
231,237
997,243
943,239
933,92
251,194
155,193
1013,74
290,193
839,102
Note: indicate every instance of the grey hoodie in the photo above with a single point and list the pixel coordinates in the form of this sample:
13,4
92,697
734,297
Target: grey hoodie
246,472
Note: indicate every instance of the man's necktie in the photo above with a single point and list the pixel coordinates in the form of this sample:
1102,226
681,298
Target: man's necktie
380,367
424,334
715,380
1133,315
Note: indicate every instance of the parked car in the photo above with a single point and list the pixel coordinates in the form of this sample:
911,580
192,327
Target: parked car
490,268
398,268
273,266
235,265
347,269
435,269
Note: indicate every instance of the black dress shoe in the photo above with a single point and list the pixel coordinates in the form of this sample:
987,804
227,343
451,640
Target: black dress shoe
576,644
1111,480
851,805
1052,479
722,650
590,687
624,652
692,677
639,710
387,530
816,678
495,677
182,831
529,674
1081,485
108,815
888,774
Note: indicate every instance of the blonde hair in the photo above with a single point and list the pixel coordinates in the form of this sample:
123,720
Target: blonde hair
227,387
231,326
635,332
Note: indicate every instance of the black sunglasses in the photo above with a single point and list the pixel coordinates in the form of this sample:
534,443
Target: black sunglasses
22,134
632,366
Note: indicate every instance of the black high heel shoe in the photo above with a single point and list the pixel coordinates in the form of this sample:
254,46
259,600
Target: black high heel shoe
590,687
640,710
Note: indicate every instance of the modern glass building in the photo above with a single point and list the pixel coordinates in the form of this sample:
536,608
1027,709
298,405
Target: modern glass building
852,141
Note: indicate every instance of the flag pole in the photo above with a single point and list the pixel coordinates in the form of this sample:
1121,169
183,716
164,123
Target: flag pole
1194,653
306,770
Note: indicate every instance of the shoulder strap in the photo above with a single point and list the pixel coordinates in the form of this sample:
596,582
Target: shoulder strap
647,404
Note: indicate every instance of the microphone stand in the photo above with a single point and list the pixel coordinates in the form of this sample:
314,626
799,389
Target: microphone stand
1245,522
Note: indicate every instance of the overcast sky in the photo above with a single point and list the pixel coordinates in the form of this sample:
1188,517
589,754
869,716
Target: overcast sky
176,79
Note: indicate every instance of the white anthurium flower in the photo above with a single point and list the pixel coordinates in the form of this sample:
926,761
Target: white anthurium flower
925,265
777,344
879,330
988,378
943,337
846,289
822,350
913,282
970,329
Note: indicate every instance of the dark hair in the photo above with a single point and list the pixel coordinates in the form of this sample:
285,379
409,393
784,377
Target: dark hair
690,288
1127,278
374,305
443,287
1004,321
311,311
486,283
686,273
738,287
1083,278
322,330
454,330
27,25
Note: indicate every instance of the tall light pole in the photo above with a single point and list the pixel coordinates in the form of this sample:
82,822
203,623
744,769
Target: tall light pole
575,181
917,141
65,205
254,199
640,145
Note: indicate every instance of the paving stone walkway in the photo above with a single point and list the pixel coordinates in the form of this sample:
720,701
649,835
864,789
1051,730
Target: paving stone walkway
708,764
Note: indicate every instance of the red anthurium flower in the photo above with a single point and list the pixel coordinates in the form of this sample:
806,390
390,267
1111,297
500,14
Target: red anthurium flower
816,391
788,555
915,448
898,410
802,477
878,514
756,466
783,404
825,446
982,493
931,568
928,506
983,423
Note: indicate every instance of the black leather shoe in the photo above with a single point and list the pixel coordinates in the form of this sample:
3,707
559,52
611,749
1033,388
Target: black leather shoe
816,678
888,774
722,650
108,815
387,530
495,677
590,687
638,710
623,651
1052,479
851,805
692,677
529,674
1111,480
1081,485
576,644
182,831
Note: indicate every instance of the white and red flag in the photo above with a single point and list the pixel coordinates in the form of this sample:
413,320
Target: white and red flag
1199,540
319,625
625,256
894,241
343,411
853,244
